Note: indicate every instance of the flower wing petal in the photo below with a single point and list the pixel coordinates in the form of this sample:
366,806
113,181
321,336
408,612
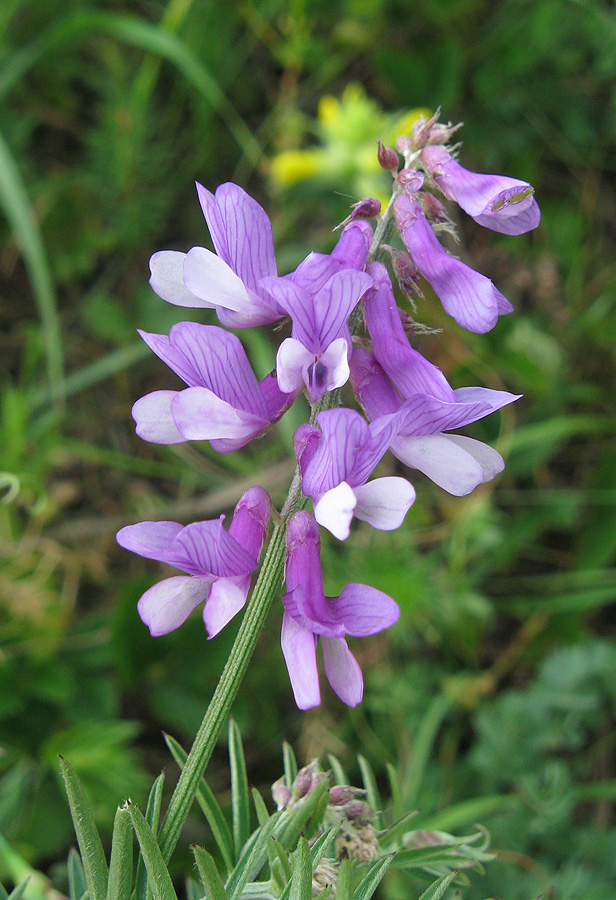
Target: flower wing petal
149,539
167,279
299,651
226,598
384,502
202,416
334,510
169,603
153,419
342,670
442,460
364,610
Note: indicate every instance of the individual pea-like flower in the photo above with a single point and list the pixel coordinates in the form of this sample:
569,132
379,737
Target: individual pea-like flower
337,458
223,403
360,610
228,280
467,296
317,353
498,202
455,462
218,564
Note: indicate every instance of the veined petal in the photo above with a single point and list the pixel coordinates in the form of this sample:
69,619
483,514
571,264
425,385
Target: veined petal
384,502
169,603
149,539
334,510
335,301
167,279
292,360
226,598
490,460
330,371
153,418
364,610
251,519
494,399
202,416
342,670
175,359
442,460
299,650
205,548
297,605
210,279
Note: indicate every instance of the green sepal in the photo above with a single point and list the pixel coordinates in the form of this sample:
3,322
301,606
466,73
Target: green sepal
121,862
301,879
344,885
209,806
76,877
159,880
373,877
240,803
208,873
88,838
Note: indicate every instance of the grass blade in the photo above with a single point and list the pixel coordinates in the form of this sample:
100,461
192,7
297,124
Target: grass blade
438,888
373,877
121,862
76,878
152,815
92,855
301,880
240,803
159,880
210,879
340,776
251,860
290,764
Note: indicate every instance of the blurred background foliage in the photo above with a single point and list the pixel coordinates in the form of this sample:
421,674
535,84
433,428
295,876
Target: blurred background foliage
495,695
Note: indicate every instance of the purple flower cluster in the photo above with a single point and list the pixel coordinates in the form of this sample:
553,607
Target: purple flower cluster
408,406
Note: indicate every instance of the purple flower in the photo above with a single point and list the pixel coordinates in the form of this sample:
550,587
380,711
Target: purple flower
494,201
359,610
218,564
317,353
454,462
337,458
224,403
470,298
228,280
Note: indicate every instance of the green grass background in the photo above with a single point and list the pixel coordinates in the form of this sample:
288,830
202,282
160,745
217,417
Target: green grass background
495,695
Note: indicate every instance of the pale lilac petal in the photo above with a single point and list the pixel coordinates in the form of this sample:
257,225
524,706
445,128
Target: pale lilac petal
409,371
167,279
241,231
336,365
336,300
205,548
292,360
384,502
504,306
442,460
510,220
251,519
490,460
334,510
494,399
161,345
364,610
342,670
297,302
298,604
202,416
153,418
210,279
149,539
314,271
299,650
226,598
169,603
303,569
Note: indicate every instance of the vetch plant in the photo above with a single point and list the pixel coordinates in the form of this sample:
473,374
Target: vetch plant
348,336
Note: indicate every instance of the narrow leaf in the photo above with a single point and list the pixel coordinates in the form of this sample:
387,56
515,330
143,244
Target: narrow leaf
422,746
344,886
340,776
372,792
152,814
4,894
252,859
209,806
194,891
373,877
438,888
290,764
121,862
279,859
260,807
323,845
92,855
301,880
159,880
76,878
291,826
240,805
208,873
394,790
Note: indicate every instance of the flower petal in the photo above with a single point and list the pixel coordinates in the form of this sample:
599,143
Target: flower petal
205,548
209,278
342,670
365,610
169,603
299,651
251,519
334,510
442,460
202,416
226,598
292,360
167,279
153,418
149,539
490,460
384,502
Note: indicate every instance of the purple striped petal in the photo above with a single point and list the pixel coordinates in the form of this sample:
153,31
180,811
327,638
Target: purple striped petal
169,603
342,670
201,415
364,610
167,279
335,301
299,651
251,519
153,418
384,502
205,548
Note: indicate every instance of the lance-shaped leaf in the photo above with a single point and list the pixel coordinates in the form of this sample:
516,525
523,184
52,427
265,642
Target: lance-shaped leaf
208,873
240,803
88,838
152,815
121,862
159,879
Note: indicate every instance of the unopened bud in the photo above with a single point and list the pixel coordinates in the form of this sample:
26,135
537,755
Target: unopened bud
342,793
281,794
388,158
303,781
404,144
411,180
434,209
363,209
357,809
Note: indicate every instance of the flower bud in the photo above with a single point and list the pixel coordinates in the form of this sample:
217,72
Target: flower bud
342,793
388,158
281,794
367,208
434,209
411,180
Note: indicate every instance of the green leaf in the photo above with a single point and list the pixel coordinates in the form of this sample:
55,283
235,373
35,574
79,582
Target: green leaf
438,888
88,838
152,815
394,790
344,886
301,880
290,764
372,792
194,890
209,807
373,877
340,776
18,891
291,826
121,862
279,859
240,805
76,878
323,844
422,746
260,807
3,892
252,859
159,880
208,873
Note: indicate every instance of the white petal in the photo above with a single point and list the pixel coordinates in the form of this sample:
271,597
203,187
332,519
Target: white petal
226,598
299,650
214,282
334,510
202,416
169,603
335,360
442,460
291,360
384,502
167,279
152,415
490,460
